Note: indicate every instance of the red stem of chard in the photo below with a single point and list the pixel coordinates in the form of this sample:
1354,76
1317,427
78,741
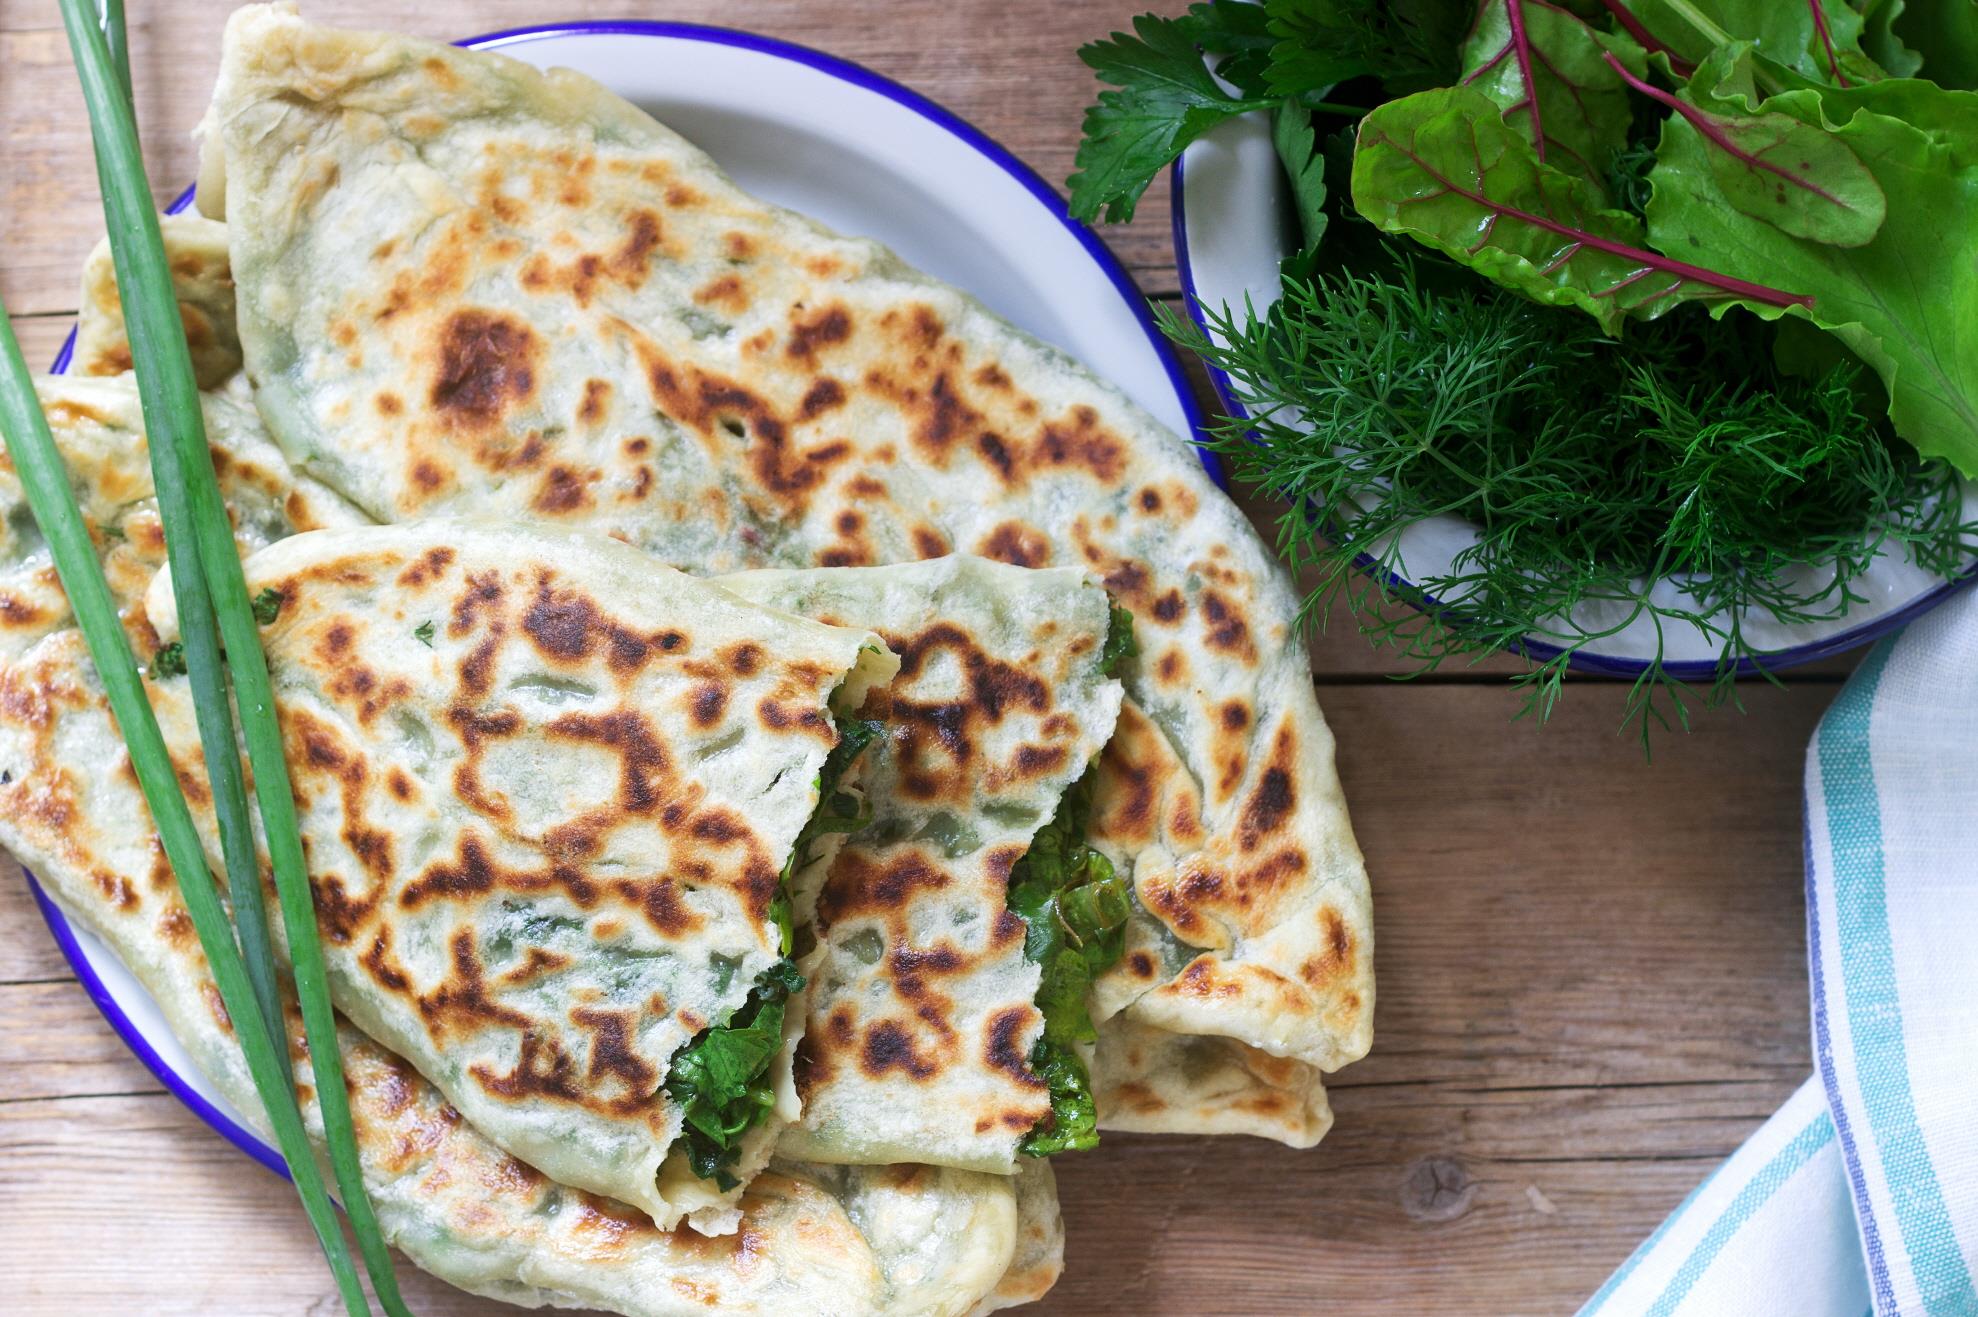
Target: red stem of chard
1521,47
1641,256
1715,134
1827,40
1681,67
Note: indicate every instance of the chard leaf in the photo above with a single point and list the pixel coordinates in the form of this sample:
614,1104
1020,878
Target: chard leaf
1554,79
1795,176
1945,31
1817,39
1444,167
1906,302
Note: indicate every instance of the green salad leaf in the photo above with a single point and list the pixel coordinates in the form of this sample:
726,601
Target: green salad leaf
1553,78
1444,167
1074,908
1795,176
1944,33
1905,302
1165,98
1816,39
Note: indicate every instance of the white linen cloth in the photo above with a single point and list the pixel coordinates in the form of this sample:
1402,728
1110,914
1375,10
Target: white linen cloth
1860,1195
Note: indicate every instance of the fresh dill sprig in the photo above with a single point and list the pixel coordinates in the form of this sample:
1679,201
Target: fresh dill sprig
1385,396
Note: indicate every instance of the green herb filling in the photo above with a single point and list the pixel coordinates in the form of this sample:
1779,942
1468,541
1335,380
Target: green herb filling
721,1079
1075,908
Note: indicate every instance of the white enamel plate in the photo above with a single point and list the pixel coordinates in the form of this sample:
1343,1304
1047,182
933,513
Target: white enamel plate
865,156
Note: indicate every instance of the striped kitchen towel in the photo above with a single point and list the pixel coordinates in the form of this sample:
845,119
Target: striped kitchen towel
1861,1194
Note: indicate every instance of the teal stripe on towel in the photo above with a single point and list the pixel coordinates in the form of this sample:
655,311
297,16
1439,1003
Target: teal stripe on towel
1757,1192
1874,1003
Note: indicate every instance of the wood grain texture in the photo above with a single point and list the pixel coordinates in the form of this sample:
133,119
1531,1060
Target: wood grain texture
1591,966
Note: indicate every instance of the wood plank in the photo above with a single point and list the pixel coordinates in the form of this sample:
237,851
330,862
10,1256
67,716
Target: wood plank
1012,70
56,1044
27,953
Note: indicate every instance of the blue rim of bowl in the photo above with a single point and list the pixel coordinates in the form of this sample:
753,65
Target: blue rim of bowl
832,65
1539,651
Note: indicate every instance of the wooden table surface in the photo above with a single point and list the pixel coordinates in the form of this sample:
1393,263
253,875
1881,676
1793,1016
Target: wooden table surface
1591,967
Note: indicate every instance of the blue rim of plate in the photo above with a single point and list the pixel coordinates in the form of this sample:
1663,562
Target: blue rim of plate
1539,651
832,65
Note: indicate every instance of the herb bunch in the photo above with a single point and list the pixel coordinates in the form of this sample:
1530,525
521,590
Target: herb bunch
1388,403
1664,300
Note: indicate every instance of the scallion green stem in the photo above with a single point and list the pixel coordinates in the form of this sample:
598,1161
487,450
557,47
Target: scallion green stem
118,40
45,481
166,385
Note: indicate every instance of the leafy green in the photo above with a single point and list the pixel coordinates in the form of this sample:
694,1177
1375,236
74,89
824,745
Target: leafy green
1443,167
267,606
1552,76
1408,45
1882,43
721,1078
1385,397
1945,31
169,661
1282,53
1294,138
1119,645
1794,176
1165,98
423,633
1074,908
1816,39
1905,302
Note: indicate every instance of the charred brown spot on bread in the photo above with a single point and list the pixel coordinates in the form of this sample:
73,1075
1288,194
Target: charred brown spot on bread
708,702
597,393
930,543
1004,1051
941,416
1168,608
633,257
568,625
1336,953
428,475
1228,632
826,328
1273,798
744,658
889,1047
427,567
613,1057
859,884
643,760
487,363
726,291
389,403
562,490
1017,544
1079,440
824,395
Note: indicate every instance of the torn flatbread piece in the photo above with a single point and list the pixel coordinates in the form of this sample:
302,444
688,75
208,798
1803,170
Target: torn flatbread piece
925,1016
548,792
196,252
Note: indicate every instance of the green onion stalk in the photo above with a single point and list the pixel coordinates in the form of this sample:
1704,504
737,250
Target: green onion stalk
214,610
